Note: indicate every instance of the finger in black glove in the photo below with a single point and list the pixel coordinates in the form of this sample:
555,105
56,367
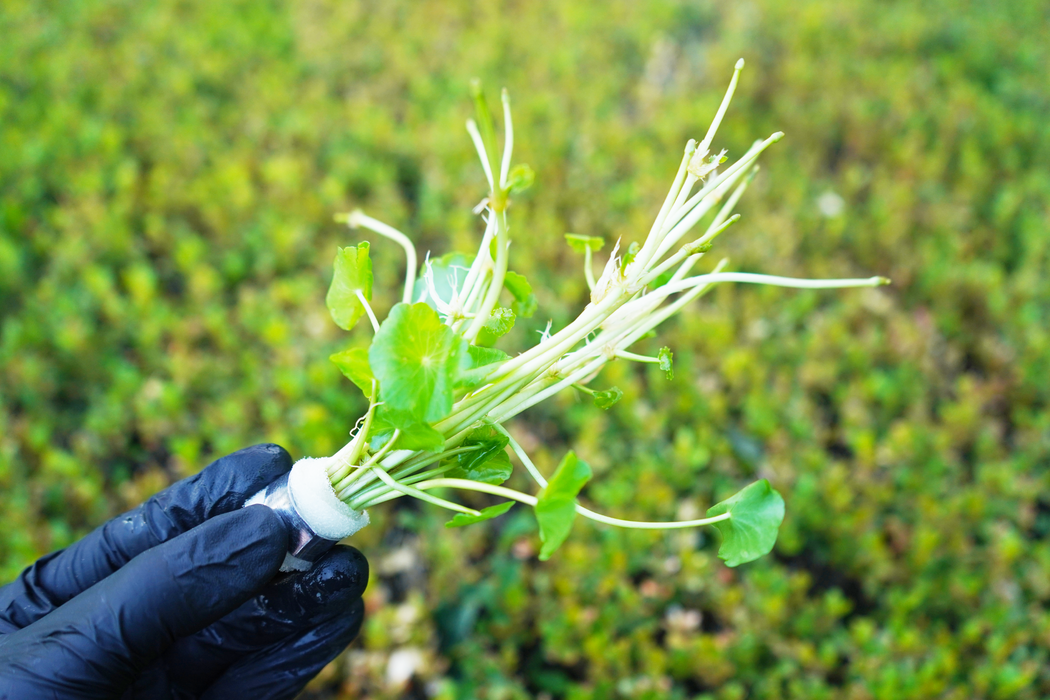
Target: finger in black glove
178,598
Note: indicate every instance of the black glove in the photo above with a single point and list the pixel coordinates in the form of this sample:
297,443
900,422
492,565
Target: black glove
178,599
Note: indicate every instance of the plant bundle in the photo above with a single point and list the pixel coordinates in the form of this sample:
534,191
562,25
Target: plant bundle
439,390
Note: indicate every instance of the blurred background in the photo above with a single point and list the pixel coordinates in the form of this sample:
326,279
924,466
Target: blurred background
168,175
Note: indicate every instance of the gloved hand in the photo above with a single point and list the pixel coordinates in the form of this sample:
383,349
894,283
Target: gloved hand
181,598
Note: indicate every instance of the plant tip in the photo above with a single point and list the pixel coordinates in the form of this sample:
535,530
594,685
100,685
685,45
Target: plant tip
739,64
777,136
475,86
353,219
690,147
882,281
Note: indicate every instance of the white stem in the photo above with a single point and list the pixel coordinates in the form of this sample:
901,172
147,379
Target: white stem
479,146
478,269
772,280
678,212
687,250
512,408
540,357
368,310
508,139
706,143
648,525
672,197
499,271
479,487
637,358
635,524
410,491
691,212
727,208
523,456
359,218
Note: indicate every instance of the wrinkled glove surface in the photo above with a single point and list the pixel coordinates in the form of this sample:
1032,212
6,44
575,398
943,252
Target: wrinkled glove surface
181,598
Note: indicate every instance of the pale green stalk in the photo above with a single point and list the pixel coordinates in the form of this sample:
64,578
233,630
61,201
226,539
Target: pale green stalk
359,218
499,271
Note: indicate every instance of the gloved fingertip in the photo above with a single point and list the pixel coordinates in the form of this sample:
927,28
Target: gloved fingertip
250,469
334,582
258,530
221,487
248,544
271,459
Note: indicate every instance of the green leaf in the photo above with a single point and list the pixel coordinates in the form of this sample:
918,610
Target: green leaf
482,362
520,178
489,513
666,361
488,463
581,243
353,274
494,470
500,321
353,363
416,359
629,255
524,300
605,399
556,504
415,434
757,511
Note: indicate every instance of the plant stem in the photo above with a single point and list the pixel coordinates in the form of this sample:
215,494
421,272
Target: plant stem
637,358
499,271
359,218
508,139
344,484
368,310
647,525
479,146
416,493
669,203
479,487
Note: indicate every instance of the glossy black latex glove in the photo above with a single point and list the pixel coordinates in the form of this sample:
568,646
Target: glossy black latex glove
181,598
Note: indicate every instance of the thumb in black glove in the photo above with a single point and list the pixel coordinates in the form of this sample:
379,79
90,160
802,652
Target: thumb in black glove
178,598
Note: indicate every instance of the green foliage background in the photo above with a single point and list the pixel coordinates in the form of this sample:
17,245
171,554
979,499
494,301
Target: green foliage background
168,175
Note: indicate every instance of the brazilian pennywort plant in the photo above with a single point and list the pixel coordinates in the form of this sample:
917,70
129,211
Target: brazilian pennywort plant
439,391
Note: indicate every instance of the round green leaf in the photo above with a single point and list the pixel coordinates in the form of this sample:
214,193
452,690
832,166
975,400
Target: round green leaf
757,511
607,398
417,359
580,243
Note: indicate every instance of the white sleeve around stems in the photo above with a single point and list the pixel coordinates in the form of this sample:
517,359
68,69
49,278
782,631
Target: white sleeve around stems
315,501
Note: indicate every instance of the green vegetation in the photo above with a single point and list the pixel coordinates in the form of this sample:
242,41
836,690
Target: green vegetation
166,188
